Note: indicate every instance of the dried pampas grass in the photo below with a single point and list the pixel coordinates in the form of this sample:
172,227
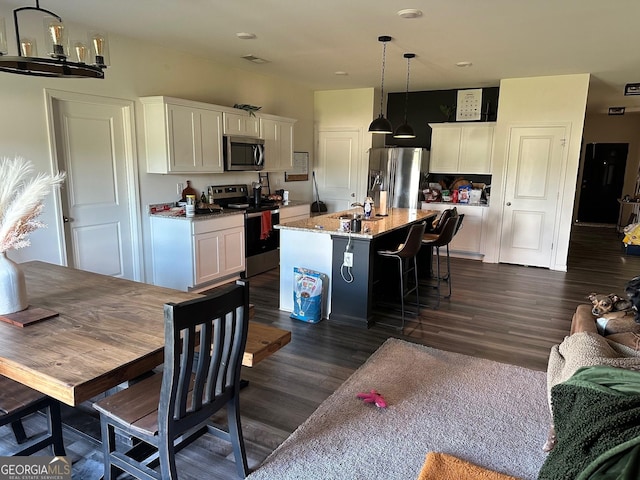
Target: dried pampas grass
21,196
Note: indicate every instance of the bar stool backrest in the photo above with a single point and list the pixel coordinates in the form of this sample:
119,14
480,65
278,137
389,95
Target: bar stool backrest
448,231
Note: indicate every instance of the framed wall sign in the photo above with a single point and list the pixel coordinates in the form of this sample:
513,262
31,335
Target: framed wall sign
300,170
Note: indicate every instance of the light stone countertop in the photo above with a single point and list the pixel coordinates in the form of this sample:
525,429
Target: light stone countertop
179,214
330,223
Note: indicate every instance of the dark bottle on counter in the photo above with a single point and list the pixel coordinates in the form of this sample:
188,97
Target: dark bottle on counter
203,198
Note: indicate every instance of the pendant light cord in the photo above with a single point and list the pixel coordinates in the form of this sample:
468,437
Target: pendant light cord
384,56
406,94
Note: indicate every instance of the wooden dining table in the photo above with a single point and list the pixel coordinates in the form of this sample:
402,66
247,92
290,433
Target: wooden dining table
106,331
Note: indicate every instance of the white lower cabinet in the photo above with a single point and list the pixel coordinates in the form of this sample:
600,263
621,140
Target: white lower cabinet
468,240
293,213
189,254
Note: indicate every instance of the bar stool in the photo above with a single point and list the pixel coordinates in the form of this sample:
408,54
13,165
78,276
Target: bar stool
443,239
404,254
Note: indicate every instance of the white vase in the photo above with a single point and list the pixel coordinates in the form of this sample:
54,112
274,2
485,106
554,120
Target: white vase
13,288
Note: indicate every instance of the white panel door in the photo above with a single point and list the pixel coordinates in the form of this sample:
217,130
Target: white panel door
93,145
534,169
337,172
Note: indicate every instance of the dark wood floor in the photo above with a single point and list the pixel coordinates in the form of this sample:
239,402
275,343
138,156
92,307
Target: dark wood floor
507,313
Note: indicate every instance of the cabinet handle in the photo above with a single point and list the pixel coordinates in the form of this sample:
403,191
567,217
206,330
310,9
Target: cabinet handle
66,219
508,204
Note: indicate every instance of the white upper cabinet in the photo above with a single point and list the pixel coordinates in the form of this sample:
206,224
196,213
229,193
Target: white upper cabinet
277,133
182,136
461,148
241,123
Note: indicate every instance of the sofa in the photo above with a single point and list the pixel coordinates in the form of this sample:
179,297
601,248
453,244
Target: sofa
593,386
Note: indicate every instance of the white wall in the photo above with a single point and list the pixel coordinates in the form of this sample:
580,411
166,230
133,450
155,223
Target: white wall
534,101
139,69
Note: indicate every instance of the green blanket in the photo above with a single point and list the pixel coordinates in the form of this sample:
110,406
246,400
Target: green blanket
596,414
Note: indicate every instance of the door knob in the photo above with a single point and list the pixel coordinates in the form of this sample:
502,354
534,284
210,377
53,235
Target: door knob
353,194
508,204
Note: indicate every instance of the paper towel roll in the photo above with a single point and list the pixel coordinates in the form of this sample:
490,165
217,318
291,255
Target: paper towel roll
382,209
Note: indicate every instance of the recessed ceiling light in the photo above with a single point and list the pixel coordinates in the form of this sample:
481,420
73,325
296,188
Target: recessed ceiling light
246,35
340,72
254,59
464,64
410,13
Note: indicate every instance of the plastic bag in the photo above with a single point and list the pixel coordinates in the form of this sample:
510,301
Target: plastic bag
308,286
632,234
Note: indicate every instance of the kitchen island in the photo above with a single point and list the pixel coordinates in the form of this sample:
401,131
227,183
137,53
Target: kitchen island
317,243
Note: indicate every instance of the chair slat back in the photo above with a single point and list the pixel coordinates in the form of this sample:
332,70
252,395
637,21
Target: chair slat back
205,340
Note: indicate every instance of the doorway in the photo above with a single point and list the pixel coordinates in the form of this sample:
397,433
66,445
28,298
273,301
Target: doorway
339,165
534,165
602,182
92,141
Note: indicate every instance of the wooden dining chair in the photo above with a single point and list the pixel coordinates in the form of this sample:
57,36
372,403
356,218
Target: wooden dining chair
170,410
17,401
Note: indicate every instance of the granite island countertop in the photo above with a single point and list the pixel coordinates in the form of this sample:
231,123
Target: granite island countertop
376,226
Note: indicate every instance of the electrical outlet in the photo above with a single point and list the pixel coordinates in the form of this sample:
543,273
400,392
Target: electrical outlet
180,188
348,259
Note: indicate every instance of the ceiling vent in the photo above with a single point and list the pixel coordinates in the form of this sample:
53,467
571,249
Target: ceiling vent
254,59
632,89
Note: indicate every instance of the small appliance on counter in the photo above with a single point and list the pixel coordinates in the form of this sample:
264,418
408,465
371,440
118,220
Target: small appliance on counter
257,193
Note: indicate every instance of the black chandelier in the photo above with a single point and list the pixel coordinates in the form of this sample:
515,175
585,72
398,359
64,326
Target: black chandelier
57,63
381,124
405,130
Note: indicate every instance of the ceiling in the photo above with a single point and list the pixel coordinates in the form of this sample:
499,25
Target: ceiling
308,41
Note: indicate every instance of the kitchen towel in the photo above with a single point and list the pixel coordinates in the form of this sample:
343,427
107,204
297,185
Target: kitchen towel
265,225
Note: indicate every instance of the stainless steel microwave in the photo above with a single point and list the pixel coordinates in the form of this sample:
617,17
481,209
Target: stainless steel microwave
243,153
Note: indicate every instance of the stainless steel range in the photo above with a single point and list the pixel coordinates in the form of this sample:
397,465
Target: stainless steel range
261,239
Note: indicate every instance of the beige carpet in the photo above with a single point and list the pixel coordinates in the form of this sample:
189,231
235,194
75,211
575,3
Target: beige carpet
490,414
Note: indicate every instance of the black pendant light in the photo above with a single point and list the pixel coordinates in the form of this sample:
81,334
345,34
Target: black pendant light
405,130
56,64
381,124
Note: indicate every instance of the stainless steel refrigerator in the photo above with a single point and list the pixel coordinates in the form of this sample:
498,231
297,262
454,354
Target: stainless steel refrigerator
401,171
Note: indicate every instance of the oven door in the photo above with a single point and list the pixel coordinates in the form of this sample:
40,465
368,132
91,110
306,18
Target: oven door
253,229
